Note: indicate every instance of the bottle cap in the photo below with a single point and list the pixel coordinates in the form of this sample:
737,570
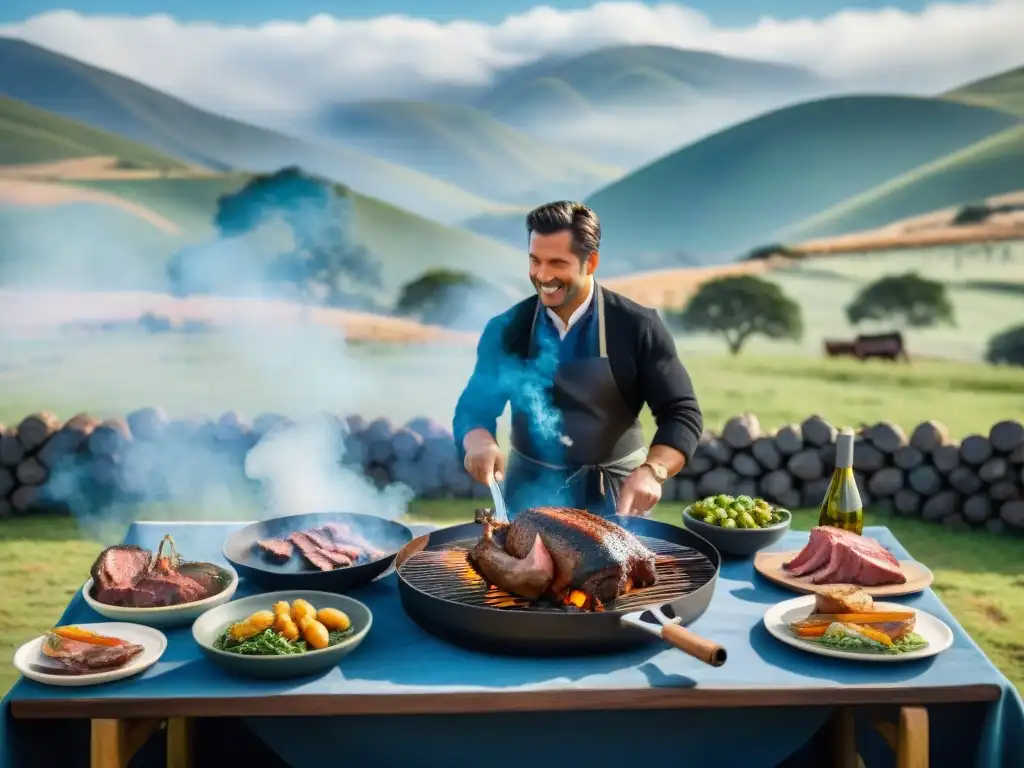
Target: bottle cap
844,448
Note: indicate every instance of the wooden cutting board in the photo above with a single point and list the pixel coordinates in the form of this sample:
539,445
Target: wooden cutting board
769,565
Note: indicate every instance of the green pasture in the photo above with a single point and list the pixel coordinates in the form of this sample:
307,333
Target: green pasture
44,560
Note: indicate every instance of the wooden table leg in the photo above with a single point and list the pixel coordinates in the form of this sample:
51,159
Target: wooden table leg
844,739
179,742
909,739
113,742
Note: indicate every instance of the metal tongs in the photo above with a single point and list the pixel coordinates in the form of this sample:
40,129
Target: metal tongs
500,511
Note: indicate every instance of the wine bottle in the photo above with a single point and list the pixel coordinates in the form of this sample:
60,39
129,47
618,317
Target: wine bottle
842,506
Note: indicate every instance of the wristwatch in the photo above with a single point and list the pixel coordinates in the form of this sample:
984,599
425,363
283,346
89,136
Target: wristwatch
660,473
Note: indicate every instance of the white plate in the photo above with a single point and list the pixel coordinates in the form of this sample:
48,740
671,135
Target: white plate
152,640
165,616
779,617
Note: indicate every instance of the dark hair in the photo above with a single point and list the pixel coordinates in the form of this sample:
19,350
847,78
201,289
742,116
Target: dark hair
566,215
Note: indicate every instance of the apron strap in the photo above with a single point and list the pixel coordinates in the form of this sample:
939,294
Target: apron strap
619,469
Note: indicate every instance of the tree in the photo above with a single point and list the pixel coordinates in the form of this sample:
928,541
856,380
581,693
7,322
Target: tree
451,298
909,300
738,308
1007,347
325,261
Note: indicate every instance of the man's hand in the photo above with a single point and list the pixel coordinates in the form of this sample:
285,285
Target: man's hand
484,459
639,493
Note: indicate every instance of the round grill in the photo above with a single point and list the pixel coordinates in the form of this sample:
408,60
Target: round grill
445,573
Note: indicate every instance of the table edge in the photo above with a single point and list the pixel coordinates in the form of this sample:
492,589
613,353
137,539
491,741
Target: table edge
481,702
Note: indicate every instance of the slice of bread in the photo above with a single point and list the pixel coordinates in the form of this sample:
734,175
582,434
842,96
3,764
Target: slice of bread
843,598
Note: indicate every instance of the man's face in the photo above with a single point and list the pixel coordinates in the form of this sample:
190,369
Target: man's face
556,271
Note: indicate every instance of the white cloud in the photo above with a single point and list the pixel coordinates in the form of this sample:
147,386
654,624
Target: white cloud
281,67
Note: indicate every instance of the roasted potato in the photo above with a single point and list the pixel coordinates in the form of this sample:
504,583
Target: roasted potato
253,625
282,607
315,634
281,620
333,619
300,609
289,632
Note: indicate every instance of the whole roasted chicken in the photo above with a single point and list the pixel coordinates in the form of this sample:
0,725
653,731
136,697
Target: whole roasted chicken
557,552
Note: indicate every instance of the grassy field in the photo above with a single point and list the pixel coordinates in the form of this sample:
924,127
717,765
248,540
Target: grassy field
44,560
300,374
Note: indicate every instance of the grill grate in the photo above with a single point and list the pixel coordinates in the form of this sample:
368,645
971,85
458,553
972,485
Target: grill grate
447,574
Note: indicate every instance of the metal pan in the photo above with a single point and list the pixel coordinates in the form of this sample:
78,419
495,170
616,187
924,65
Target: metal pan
385,535
442,593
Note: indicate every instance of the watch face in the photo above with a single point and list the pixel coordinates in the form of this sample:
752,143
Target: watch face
659,471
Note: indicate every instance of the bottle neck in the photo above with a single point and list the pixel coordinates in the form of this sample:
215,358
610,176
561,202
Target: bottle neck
844,450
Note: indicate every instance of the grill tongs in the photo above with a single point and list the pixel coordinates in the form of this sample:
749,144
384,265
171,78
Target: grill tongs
500,511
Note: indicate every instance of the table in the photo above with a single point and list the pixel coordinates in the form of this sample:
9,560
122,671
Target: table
766,701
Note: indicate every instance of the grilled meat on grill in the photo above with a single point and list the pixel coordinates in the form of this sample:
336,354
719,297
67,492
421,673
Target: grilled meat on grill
585,552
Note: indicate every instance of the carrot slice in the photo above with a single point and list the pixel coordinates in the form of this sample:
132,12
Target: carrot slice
85,636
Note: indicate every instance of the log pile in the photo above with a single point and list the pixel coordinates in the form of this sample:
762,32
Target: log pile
976,482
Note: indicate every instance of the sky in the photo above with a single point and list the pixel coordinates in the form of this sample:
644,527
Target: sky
256,11
255,60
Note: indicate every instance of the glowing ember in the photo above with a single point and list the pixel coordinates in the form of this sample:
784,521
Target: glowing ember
577,598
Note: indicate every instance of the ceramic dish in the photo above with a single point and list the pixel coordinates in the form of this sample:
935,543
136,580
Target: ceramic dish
211,625
152,640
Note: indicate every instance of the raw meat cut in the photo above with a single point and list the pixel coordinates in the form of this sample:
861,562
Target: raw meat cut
551,551
835,556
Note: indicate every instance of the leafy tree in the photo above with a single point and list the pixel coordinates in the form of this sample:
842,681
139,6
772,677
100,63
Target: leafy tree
738,308
450,298
325,262
1007,347
909,300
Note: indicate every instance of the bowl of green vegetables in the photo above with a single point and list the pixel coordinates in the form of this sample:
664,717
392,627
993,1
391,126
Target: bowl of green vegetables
282,634
739,526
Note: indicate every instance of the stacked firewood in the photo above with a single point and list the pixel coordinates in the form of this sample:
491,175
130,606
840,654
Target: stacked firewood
975,482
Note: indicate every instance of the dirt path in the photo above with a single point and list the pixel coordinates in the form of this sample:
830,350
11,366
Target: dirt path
96,169
37,194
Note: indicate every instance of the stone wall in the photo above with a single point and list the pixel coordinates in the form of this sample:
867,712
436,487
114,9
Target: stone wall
976,482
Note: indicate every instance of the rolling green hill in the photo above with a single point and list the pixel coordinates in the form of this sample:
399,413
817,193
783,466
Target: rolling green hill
30,135
631,75
1004,91
127,108
466,147
989,167
732,190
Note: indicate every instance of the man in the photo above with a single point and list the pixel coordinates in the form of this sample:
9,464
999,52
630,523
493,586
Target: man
576,440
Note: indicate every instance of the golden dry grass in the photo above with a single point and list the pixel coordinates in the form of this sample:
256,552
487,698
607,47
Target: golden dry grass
27,313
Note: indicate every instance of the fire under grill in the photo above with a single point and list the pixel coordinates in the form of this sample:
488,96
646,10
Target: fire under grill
447,574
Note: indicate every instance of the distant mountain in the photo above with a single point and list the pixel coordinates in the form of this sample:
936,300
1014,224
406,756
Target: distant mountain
31,135
990,167
1004,91
108,239
627,105
738,188
468,148
127,108
629,76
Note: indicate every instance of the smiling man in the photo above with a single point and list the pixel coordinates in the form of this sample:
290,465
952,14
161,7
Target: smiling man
600,357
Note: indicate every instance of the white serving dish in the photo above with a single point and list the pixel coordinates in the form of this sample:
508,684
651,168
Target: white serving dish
166,616
778,618
152,640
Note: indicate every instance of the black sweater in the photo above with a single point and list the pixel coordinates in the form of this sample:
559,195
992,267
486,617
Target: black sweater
642,355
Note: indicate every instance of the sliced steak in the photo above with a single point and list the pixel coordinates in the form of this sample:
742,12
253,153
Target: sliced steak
162,589
311,551
81,657
325,539
118,568
276,549
344,536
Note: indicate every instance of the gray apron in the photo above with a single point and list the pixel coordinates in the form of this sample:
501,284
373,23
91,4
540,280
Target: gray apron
602,439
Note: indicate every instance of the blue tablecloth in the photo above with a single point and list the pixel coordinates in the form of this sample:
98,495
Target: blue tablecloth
399,657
